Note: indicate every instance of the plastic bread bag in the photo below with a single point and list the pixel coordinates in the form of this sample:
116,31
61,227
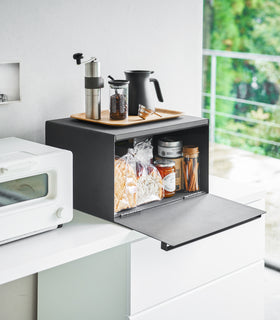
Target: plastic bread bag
149,184
125,185
137,181
143,151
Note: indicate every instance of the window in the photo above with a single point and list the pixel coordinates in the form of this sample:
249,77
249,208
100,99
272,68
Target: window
241,97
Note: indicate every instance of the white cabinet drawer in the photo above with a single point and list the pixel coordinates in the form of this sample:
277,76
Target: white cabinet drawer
238,296
157,275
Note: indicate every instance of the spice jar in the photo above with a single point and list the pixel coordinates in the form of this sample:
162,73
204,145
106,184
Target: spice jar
171,148
191,168
166,169
118,99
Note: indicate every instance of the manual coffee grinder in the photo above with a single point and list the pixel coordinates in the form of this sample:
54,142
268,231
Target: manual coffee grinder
93,84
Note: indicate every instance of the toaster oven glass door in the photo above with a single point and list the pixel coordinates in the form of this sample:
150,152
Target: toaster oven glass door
23,189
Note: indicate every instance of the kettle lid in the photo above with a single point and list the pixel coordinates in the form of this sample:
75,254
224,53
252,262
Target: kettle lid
139,72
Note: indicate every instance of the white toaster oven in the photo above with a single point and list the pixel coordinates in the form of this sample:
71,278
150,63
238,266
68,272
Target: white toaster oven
36,188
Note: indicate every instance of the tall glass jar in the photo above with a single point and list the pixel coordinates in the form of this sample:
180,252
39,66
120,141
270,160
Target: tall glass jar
118,99
191,168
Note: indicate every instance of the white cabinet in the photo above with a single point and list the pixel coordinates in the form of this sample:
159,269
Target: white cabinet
157,276
218,277
237,296
92,288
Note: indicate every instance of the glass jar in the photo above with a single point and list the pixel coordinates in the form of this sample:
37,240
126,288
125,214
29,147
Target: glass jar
172,149
191,168
166,169
118,99
169,147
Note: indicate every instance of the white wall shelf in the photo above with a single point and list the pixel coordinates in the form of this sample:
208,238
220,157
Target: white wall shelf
10,81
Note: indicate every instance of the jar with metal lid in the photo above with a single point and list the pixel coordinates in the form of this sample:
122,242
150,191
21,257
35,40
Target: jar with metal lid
191,168
171,148
118,99
166,169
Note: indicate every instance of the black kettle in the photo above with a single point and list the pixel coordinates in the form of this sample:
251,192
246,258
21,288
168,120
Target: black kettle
140,90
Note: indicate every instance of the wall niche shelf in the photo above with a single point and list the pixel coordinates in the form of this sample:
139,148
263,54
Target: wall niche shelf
9,82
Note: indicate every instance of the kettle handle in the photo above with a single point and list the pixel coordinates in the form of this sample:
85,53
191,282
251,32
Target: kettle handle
157,87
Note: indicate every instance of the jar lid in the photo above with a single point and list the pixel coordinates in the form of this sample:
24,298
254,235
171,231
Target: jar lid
118,82
170,142
164,163
190,150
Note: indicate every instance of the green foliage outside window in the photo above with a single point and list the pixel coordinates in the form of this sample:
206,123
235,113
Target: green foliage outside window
245,26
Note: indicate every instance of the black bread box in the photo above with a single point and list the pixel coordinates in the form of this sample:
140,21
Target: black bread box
175,221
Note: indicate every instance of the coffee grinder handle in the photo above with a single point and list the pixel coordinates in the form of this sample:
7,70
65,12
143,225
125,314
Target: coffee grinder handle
78,57
157,88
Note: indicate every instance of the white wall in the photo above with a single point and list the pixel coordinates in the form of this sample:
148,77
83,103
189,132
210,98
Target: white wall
161,35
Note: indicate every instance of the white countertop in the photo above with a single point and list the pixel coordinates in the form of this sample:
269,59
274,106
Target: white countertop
87,235
83,236
241,192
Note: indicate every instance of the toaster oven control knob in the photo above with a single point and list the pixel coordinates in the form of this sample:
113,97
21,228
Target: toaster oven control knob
59,213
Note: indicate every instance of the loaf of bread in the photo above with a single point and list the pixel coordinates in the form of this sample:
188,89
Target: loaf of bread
125,186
